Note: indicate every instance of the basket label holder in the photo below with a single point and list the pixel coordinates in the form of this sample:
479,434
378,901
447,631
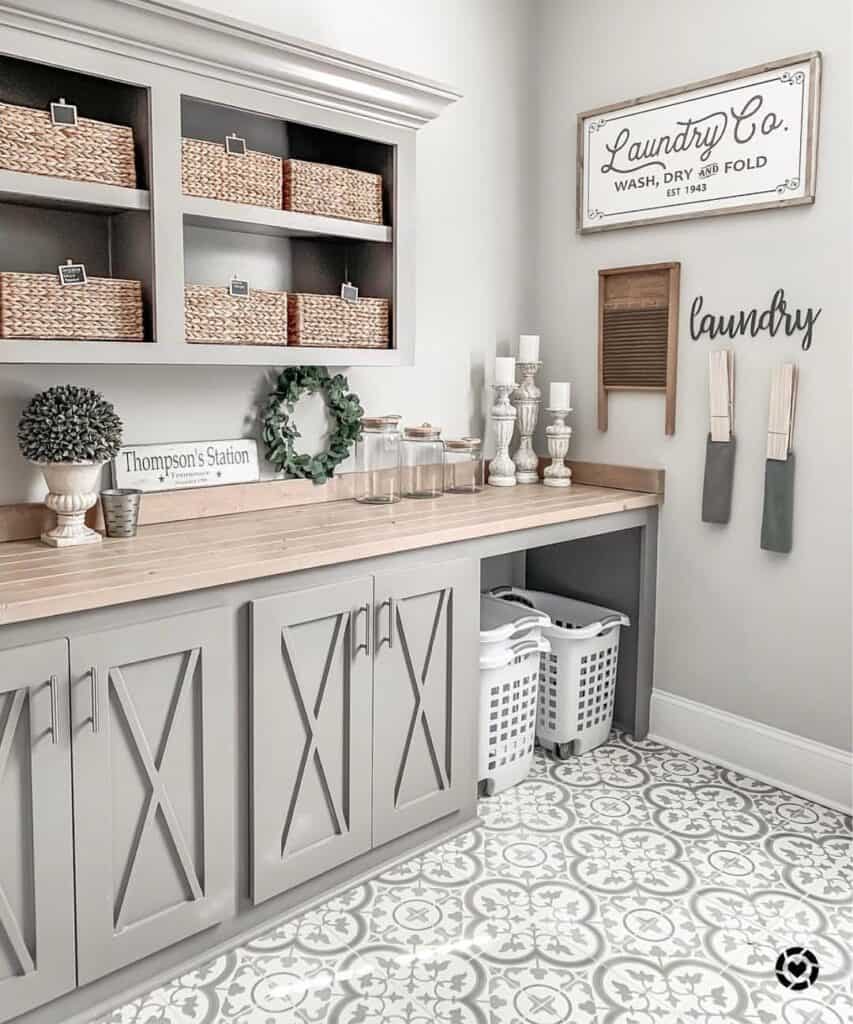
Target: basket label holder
62,114
71,274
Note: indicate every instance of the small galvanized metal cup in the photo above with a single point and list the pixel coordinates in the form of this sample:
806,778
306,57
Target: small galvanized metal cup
121,511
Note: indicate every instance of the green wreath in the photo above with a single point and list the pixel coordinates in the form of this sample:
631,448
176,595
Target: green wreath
279,431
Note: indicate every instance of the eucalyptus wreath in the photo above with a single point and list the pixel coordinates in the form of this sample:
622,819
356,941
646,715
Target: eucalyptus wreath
279,432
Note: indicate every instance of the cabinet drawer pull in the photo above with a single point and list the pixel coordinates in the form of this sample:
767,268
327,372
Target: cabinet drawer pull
390,638
353,618
93,684
54,709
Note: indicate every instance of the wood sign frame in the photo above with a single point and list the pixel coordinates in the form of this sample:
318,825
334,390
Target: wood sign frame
721,147
638,333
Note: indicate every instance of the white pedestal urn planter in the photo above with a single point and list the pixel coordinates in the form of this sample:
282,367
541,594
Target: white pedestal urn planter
69,433
72,491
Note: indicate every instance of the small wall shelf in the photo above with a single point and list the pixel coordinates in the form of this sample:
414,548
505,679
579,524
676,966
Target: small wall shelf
62,194
260,220
173,73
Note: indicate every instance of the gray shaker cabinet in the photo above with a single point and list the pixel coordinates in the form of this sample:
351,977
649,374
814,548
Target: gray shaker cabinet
425,688
151,730
311,726
36,857
361,697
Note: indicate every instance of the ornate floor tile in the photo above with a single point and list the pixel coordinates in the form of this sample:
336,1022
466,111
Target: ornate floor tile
739,865
538,993
649,926
616,808
524,855
632,885
538,805
746,932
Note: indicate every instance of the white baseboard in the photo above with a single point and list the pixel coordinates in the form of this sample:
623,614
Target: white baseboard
790,762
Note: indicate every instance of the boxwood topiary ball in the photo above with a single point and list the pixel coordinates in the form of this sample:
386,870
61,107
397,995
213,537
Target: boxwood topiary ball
69,424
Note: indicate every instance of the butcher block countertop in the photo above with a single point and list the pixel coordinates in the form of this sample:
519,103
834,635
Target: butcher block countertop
170,558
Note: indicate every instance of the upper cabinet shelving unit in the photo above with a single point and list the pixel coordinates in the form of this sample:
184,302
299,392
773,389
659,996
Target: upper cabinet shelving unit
175,74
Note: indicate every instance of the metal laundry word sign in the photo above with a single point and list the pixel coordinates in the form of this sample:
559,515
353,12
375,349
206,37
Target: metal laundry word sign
170,467
776,317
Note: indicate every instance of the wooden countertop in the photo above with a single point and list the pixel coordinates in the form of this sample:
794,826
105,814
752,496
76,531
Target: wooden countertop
170,558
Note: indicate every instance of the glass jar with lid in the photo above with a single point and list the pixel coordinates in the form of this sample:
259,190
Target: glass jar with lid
463,466
377,460
422,460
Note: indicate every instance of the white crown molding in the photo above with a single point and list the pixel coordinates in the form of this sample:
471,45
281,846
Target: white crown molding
182,36
783,759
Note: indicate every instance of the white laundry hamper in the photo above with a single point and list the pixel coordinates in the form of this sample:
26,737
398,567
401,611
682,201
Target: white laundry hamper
502,623
509,683
577,677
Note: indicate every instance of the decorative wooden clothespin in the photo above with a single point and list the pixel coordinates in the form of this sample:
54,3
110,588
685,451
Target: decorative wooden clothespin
722,391
783,401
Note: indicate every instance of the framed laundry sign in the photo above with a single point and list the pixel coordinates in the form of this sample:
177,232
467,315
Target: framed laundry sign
743,141
171,467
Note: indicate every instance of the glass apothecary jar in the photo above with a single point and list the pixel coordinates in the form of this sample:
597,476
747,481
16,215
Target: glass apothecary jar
377,460
422,462
463,466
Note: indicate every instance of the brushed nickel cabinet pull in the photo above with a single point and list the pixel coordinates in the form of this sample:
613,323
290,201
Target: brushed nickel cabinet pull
93,682
390,638
54,709
354,617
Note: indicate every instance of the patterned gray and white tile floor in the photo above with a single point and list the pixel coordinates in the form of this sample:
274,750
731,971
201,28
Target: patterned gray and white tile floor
633,885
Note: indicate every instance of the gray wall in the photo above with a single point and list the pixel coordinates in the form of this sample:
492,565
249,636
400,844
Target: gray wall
473,241
755,634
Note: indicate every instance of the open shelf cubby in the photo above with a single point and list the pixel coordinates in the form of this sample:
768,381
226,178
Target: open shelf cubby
46,220
283,250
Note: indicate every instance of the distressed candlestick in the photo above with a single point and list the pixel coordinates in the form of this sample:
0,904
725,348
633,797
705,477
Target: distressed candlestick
558,434
527,398
502,468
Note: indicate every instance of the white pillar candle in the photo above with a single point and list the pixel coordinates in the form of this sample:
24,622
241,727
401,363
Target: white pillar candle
528,348
561,393
505,370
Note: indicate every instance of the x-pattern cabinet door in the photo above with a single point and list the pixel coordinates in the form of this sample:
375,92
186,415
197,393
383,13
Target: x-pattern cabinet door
311,722
152,720
425,683
36,855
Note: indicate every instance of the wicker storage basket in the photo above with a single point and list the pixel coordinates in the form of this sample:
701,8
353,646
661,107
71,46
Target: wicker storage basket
38,306
330,321
332,191
208,171
213,316
87,151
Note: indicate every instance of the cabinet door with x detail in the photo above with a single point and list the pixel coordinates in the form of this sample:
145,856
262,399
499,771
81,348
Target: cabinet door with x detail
152,730
311,721
36,857
424,693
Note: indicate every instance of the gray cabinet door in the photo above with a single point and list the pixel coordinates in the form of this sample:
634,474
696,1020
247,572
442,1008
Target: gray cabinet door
152,713
426,679
36,855
311,725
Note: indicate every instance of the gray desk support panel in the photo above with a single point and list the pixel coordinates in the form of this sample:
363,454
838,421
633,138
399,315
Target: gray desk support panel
77,1007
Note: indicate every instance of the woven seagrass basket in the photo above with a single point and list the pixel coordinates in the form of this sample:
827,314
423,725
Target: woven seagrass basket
88,151
326,321
38,306
208,170
332,191
213,316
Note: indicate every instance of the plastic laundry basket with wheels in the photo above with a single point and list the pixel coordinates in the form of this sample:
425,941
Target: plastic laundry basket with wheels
509,681
577,677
